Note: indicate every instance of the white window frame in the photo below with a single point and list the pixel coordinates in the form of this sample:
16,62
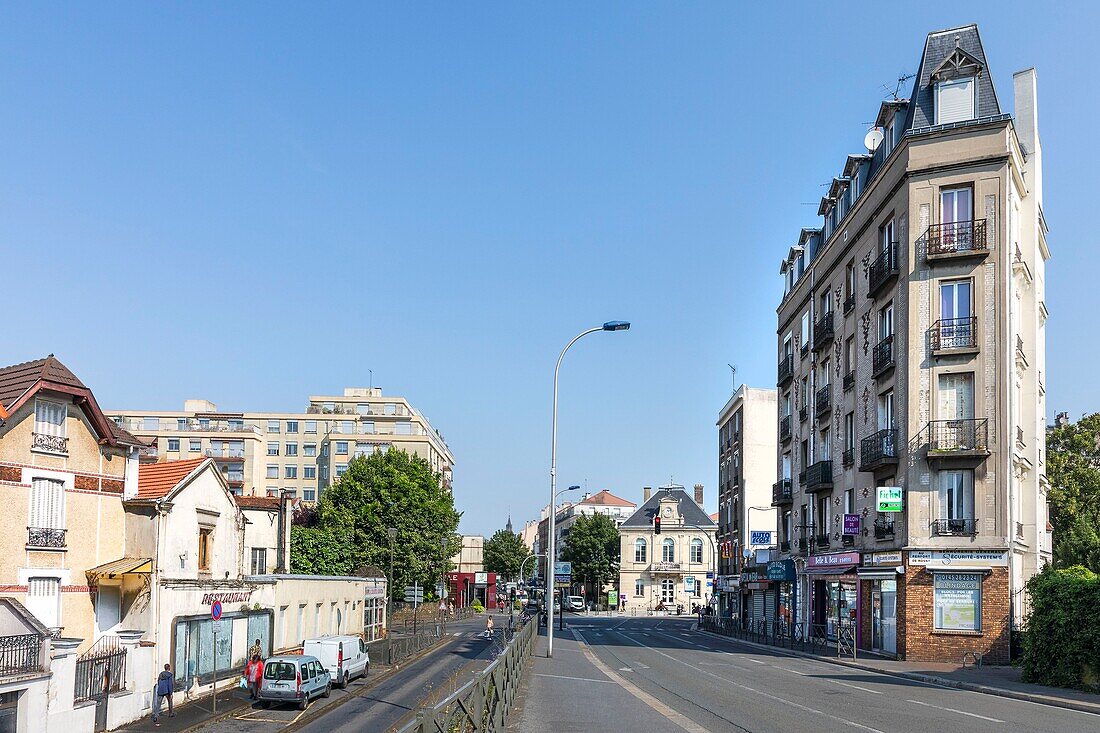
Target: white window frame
695,552
641,550
173,445
194,445
668,550
948,83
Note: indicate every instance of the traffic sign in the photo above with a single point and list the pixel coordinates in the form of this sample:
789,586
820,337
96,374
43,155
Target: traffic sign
216,610
414,594
563,568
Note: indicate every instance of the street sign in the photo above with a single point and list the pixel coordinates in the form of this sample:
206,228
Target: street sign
760,538
216,610
563,568
221,626
890,498
613,598
414,594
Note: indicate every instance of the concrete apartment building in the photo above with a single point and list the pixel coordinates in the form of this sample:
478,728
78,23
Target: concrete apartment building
747,447
911,341
602,502
296,453
672,565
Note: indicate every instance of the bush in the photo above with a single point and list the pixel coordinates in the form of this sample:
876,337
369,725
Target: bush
478,608
1062,641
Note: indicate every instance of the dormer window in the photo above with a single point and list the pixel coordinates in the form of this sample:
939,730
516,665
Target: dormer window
887,138
955,100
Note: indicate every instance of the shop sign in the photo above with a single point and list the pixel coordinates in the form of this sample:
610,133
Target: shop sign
948,558
760,538
752,576
890,498
209,599
481,579
884,558
837,558
689,584
958,601
376,591
781,570
851,523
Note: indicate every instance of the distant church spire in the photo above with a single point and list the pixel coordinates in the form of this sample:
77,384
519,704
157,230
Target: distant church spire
509,525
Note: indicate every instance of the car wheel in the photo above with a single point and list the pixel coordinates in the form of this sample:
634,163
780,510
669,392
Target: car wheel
328,686
346,680
304,702
265,704
366,669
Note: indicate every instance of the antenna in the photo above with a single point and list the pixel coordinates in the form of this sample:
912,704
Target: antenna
733,375
371,385
902,78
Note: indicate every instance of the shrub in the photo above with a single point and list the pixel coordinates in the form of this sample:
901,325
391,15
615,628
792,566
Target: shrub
478,608
1062,641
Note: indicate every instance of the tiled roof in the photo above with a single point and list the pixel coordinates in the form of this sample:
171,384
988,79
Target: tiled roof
18,378
156,480
714,517
606,498
258,502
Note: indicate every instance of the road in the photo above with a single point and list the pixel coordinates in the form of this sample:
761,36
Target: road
707,683
381,701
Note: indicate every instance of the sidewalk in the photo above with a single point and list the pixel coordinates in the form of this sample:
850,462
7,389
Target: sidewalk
198,712
1003,681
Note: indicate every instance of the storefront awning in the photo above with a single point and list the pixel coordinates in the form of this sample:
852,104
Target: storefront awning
829,570
889,572
124,566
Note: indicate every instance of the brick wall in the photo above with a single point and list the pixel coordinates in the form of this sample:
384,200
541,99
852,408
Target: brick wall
922,643
866,612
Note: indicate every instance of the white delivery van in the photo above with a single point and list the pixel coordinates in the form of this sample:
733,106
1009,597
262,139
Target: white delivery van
344,657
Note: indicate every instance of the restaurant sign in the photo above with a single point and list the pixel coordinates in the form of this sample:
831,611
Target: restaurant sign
837,558
209,599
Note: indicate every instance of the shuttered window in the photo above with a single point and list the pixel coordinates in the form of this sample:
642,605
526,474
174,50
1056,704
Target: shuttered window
956,396
49,418
47,504
955,100
43,596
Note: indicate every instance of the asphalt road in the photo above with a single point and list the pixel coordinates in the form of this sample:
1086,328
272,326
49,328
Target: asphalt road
722,685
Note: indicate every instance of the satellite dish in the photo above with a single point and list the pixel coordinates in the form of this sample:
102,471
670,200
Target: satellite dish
872,139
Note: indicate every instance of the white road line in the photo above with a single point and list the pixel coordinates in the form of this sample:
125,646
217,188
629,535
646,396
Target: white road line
953,710
575,679
856,687
757,661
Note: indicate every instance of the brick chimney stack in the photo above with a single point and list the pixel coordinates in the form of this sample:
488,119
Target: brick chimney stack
699,494
645,494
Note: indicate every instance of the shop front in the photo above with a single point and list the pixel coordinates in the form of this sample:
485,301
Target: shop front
781,574
834,593
881,579
758,606
729,588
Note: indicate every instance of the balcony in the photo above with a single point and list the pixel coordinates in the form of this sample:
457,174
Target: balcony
785,546
849,457
786,370
785,428
823,331
822,403
849,381
954,335
803,413
954,527
955,240
237,453
50,443
45,537
804,351
671,568
782,493
802,544
967,438
849,303
883,271
819,476
882,357
884,529
822,541
848,540
878,450
21,654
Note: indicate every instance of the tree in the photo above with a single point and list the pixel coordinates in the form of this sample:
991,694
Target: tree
1073,468
504,554
383,490
593,548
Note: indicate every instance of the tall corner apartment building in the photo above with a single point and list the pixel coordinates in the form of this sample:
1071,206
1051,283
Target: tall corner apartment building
911,341
297,454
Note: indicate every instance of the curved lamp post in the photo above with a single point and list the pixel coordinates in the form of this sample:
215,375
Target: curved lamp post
550,556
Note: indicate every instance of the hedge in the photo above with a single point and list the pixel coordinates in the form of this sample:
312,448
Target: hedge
1062,640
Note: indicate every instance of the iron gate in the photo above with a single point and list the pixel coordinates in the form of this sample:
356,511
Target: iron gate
100,671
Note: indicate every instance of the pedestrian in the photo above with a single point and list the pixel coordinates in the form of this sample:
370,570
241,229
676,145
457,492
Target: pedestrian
256,650
253,673
489,626
163,690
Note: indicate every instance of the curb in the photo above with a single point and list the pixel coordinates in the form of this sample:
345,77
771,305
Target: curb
1081,707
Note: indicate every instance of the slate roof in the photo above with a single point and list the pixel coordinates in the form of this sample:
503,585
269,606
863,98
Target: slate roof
938,47
691,512
606,498
156,480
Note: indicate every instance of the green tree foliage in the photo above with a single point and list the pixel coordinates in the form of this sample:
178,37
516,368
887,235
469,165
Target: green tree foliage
1073,468
391,489
504,554
593,548
1062,641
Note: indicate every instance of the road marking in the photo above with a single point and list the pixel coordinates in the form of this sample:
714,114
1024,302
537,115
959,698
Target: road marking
576,679
625,669
953,710
757,661
795,671
856,687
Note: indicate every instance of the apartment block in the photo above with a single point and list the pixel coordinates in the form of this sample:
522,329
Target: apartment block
296,454
911,341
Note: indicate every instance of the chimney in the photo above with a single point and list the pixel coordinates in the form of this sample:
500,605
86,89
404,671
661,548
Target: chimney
645,494
699,494
1026,115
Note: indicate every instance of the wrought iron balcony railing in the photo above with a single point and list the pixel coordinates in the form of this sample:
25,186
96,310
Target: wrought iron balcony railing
955,527
822,540
958,436
20,654
884,528
785,428
49,443
786,369
45,537
782,492
882,270
879,449
822,403
849,381
823,331
957,238
803,413
882,356
819,476
848,540
849,303
849,457
954,333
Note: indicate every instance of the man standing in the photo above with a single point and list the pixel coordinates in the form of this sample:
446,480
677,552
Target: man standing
163,690
256,650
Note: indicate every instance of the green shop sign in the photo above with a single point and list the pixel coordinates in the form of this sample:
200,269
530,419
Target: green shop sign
890,498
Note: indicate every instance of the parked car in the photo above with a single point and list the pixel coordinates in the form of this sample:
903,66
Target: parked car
574,603
294,678
343,657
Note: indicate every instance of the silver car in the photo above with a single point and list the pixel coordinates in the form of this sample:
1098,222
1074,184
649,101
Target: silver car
294,678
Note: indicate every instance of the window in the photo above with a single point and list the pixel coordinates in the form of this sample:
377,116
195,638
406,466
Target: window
787,466
887,138
44,600
362,409
886,322
206,546
324,473
825,448
309,472
204,423
696,551
850,431
181,424
363,449
887,234
403,428
823,375
805,391
955,310
235,425
955,100
259,560
292,426
273,449
956,396
850,279
272,490
309,450
823,514
639,588
272,426
886,410
195,445
147,423
668,550
290,472
788,345
825,304
850,355
47,504
390,408
292,449
173,445
639,550
324,450
347,427
805,331
311,426
367,428
958,601
341,469
957,494
341,448
272,470
668,591
309,494
849,501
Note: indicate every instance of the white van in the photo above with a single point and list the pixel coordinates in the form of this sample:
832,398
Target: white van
344,657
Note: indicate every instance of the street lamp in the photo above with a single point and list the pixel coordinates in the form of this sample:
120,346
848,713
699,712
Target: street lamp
392,532
550,556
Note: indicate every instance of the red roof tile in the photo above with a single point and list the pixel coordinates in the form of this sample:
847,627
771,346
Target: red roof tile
714,517
258,502
156,480
606,498
18,378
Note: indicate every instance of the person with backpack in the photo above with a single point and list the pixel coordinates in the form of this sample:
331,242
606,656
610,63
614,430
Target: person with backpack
163,689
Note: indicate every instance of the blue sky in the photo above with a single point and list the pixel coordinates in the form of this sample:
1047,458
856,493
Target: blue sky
255,203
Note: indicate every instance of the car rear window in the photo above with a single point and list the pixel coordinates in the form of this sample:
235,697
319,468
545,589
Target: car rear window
279,671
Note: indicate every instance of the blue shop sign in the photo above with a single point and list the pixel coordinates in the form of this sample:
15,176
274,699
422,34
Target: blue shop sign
781,570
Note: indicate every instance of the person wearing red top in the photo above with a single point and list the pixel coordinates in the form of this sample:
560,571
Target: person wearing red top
253,673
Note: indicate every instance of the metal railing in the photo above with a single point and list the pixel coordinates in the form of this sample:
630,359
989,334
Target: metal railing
884,528
882,269
957,237
49,443
483,703
878,449
822,403
849,381
226,453
954,333
849,456
819,475
399,647
803,413
882,356
785,369
958,436
45,537
823,331
782,493
101,670
850,303
20,654
785,428
954,527
812,638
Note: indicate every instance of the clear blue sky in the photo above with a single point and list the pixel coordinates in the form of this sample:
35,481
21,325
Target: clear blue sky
253,204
